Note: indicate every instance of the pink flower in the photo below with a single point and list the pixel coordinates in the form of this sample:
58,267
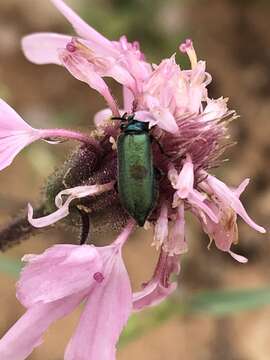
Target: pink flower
16,134
91,55
54,283
189,132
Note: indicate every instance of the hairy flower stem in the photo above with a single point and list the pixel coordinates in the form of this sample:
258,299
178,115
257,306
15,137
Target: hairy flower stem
17,230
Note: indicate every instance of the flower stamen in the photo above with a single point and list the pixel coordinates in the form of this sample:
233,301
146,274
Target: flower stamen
187,47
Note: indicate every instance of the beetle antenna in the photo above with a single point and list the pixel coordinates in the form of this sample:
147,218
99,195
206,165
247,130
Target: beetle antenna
122,118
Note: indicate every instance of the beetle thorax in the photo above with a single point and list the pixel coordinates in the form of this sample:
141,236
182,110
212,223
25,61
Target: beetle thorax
135,126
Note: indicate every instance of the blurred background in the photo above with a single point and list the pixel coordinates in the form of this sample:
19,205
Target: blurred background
222,309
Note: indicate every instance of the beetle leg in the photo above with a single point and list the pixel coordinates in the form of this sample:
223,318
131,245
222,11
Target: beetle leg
152,138
85,226
116,187
159,174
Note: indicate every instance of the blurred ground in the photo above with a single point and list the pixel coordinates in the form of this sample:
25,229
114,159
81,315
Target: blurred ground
234,38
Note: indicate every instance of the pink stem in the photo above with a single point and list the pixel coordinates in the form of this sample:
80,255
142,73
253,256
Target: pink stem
122,238
69,134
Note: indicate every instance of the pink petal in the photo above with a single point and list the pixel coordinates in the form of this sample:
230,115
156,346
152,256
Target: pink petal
196,199
106,312
48,219
152,295
241,188
161,117
185,180
161,227
165,120
160,287
42,48
10,120
26,333
225,232
101,117
128,98
82,28
215,109
84,71
176,244
195,94
60,271
238,258
83,191
173,176
231,199
15,134
145,116
63,210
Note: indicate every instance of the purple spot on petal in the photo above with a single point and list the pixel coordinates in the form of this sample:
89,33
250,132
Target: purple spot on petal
98,276
71,47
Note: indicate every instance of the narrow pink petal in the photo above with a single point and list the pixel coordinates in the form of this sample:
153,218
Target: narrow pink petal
238,258
195,94
241,188
128,99
48,219
185,180
81,27
159,287
83,191
158,115
215,109
173,176
63,210
26,333
225,232
145,116
161,227
152,294
84,71
60,271
228,196
176,244
196,199
42,48
106,312
165,120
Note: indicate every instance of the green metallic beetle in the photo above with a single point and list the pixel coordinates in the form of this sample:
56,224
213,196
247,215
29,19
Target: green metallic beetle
137,185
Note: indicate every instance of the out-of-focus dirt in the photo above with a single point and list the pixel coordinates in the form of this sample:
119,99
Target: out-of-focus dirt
234,38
